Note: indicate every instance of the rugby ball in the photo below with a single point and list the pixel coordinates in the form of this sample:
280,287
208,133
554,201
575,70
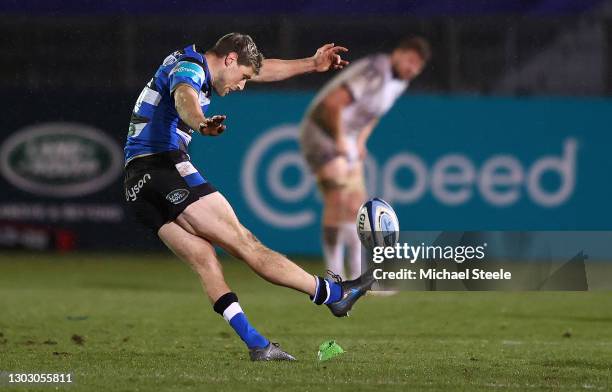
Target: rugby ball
377,224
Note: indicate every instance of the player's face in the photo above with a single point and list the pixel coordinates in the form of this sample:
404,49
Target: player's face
233,78
407,64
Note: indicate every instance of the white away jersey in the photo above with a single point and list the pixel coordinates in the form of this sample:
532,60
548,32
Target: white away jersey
374,90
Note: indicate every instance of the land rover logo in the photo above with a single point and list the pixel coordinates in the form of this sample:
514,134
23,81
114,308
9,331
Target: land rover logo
177,196
60,159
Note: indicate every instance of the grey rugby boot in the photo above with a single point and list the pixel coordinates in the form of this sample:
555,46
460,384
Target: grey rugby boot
272,352
352,290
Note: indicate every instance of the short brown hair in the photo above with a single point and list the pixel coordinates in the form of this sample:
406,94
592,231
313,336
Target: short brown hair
243,44
418,44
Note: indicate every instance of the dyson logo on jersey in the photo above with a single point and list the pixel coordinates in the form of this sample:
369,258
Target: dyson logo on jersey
500,180
131,194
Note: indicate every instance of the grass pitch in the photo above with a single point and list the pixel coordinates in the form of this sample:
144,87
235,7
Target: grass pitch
141,322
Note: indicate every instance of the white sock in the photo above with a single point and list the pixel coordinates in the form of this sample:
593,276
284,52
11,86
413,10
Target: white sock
351,239
333,249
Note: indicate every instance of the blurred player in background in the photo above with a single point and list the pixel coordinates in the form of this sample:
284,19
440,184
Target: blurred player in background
168,194
334,133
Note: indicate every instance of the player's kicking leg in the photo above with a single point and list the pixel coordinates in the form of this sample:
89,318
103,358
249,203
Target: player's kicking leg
200,255
212,218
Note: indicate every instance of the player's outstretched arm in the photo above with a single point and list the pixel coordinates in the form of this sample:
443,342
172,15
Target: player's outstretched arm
188,107
327,57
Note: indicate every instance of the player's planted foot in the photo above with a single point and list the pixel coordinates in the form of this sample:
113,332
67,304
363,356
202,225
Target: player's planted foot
352,290
272,352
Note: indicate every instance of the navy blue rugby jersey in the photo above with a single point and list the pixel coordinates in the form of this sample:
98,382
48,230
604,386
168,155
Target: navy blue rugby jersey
155,125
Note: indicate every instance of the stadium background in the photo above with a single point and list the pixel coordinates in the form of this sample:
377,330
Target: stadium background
508,128
511,84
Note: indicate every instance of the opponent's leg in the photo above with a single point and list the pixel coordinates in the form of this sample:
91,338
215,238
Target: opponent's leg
356,195
200,255
332,178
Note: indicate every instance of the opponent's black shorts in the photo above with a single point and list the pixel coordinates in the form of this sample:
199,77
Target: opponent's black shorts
159,187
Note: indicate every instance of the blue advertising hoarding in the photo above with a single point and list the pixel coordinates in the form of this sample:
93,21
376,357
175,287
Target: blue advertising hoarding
451,163
443,162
